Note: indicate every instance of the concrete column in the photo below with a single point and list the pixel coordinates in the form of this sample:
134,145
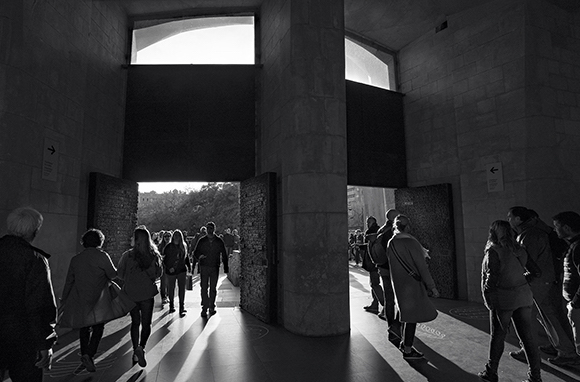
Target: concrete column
304,141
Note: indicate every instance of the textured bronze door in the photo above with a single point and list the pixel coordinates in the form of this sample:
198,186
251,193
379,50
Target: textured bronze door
258,262
430,209
112,208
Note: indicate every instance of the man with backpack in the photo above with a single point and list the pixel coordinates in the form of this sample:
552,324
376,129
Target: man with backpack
379,256
369,266
533,236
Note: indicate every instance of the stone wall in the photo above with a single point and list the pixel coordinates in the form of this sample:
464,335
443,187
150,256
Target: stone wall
498,85
303,140
61,87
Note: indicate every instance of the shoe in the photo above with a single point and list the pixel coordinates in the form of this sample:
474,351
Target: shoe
88,363
204,313
565,361
548,349
488,375
520,355
140,354
371,309
212,312
171,308
413,354
182,312
165,300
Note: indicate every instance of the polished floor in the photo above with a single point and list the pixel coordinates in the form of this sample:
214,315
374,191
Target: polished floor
234,346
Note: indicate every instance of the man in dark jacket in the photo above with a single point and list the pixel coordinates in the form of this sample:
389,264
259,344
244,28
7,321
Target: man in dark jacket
207,252
375,280
28,313
532,234
567,226
388,312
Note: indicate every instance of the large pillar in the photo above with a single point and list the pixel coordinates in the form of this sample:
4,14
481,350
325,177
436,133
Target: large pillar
303,139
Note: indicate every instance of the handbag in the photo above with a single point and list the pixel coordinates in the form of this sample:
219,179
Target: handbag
113,303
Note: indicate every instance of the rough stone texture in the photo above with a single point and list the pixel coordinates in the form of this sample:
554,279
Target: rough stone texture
258,260
303,140
498,85
60,78
113,210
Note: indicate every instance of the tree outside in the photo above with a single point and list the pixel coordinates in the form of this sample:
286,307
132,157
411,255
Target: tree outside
188,211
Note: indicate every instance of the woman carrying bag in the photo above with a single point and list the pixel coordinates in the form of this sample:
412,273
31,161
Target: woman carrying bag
86,287
412,284
139,267
176,265
508,296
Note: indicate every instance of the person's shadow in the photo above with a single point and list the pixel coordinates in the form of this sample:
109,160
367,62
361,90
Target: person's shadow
437,368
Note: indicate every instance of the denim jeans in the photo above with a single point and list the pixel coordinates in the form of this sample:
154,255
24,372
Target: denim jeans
522,320
209,278
574,317
90,341
163,286
171,280
141,316
389,298
376,289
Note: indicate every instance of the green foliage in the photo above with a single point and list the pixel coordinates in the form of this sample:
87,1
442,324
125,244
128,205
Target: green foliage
217,202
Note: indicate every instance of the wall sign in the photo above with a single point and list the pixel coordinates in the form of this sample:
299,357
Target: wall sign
50,157
494,174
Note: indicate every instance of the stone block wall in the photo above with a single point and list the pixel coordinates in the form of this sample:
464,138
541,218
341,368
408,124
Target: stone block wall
61,82
498,85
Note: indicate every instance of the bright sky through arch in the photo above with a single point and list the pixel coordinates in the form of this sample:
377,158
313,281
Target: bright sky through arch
161,187
233,44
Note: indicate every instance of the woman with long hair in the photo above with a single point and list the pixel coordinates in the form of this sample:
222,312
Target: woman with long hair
139,267
508,297
176,264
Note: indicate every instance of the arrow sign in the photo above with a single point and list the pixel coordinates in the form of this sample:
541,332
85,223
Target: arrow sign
494,174
50,160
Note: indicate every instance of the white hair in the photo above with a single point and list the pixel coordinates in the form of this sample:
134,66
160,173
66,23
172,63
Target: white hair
24,222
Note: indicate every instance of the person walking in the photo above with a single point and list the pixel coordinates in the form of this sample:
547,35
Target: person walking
385,233
28,313
165,239
533,236
176,264
508,296
377,293
567,226
411,283
207,253
88,274
139,267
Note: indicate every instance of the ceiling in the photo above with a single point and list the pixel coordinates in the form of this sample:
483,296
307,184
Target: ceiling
390,23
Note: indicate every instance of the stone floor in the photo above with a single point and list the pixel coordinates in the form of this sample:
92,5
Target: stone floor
234,346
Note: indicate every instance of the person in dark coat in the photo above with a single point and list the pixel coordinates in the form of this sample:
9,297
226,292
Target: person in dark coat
377,293
28,313
140,267
412,304
508,297
208,251
87,276
176,264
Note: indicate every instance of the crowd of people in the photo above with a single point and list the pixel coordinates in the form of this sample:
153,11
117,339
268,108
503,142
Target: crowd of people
529,269
91,296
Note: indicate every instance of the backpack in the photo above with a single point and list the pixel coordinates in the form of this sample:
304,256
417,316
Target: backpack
378,249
